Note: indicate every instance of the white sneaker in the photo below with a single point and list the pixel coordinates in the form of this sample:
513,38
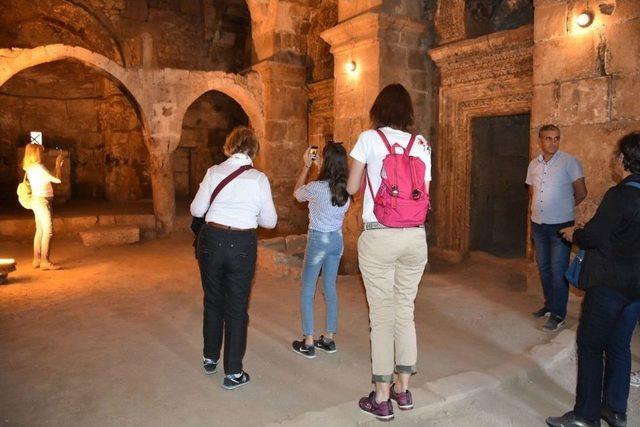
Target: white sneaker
635,379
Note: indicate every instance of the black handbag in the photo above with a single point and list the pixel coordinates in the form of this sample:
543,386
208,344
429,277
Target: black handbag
198,222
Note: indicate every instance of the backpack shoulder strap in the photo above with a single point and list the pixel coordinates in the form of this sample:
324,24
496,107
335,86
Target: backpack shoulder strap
410,144
633,184
385,140
226,181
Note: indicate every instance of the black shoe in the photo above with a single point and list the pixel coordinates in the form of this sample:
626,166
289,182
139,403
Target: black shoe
554,324
325,344
210,366
302,349
543,312
614,419
230,381
571,420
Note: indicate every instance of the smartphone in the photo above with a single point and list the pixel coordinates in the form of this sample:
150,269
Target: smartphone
313,152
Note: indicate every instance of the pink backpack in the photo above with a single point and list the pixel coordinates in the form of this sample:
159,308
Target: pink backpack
402,199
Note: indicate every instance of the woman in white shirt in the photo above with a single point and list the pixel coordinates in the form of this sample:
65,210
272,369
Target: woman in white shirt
391,259
41,197
227,251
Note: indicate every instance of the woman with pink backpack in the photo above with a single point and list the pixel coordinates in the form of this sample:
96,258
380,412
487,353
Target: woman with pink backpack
395,167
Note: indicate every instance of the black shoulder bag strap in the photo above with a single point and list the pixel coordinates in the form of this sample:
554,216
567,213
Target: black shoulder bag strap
233,175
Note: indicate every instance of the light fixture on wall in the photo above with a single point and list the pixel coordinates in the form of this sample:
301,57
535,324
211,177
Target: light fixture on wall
585,19
351,66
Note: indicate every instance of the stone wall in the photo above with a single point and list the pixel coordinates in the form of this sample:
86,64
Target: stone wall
79,110
587,80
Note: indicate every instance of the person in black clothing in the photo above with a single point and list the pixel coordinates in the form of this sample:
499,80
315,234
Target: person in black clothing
611,307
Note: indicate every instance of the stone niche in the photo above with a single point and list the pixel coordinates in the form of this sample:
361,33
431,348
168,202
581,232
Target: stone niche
205,127
486,76
84,113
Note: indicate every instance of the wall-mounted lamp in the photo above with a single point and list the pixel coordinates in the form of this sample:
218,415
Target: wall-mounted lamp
585,19
351,66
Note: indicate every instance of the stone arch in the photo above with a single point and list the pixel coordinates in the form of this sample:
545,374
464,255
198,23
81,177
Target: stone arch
14,60
237,87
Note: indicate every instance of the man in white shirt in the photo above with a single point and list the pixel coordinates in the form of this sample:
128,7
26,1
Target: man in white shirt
556,185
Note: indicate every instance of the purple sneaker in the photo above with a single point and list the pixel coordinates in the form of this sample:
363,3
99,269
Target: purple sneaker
403,399
382,411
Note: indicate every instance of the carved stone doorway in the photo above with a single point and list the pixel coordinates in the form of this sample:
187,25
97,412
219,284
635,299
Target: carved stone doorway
499,199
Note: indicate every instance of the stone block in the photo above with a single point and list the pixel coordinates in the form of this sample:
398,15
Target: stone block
417,60
111,235
117,113
295,244
544,107
623,47
550,21
17,228
625,97
143,221
566,58
584,101
74,224
275,243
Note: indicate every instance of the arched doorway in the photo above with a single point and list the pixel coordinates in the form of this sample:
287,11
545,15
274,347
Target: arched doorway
87,114
206,124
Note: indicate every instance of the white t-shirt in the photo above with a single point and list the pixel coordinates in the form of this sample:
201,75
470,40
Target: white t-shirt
40,180
371,150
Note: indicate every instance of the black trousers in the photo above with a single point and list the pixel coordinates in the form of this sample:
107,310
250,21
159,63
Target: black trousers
604,354
227,261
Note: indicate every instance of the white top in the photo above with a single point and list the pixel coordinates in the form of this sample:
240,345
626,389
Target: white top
245,202
553,201
370,149
40,180
323,215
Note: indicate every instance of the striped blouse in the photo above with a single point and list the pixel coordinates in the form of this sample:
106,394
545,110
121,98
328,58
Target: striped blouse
323,215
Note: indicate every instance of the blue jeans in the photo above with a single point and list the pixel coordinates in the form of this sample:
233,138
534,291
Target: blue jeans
606,327
323,252
552,256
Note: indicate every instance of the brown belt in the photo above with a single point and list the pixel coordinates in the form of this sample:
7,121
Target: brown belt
227,227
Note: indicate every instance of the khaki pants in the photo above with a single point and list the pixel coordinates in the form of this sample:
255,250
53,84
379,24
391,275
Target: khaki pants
392,262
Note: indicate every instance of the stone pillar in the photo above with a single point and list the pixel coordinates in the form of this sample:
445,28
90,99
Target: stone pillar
162,185
285,139
384,49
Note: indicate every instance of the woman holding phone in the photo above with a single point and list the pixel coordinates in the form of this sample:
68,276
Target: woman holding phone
40,180
328,202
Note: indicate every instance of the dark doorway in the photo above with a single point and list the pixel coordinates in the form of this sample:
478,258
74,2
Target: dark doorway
499,200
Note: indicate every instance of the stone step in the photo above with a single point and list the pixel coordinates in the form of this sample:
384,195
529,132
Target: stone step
111,235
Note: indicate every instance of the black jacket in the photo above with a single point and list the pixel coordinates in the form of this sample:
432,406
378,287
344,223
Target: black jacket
612,241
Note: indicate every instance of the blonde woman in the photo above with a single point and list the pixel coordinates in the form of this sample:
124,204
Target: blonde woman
40,180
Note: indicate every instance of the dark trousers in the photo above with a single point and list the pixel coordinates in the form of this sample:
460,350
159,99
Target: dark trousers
604,354
227,261
552,257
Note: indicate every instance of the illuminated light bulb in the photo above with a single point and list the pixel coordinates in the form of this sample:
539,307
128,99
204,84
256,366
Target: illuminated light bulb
351,66
584,19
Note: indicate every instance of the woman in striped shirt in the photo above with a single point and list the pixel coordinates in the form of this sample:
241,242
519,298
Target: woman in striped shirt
328,202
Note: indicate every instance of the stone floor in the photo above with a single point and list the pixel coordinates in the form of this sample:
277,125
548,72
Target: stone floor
114,339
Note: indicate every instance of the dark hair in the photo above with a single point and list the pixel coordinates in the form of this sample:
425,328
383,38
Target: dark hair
392,108
547,128
242,139
629,147
335,171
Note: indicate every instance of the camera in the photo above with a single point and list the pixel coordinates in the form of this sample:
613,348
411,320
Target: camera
313,152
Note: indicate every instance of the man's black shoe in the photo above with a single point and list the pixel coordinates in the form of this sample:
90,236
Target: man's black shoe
231,381
571,420
614,419
543,312
302,349
210,366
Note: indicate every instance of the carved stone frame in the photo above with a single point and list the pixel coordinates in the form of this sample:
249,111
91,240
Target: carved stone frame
487,76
